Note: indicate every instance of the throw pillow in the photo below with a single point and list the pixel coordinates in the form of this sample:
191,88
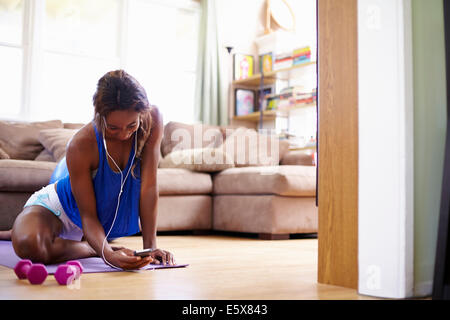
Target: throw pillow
56,141
3,154
249,148
181,136
70,125
45,155
201,159
20,139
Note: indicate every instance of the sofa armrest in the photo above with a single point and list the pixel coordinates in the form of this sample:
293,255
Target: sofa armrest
24,175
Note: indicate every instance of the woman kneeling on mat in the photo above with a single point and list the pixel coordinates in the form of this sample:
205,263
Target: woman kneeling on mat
104,188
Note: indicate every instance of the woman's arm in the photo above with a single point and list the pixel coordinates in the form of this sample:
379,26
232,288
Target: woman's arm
79,158
148,208
78,163
149,185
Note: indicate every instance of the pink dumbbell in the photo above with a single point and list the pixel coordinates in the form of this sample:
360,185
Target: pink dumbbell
35,273
67,273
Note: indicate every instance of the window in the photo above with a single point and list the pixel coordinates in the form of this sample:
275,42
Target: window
72,43
80,44
165,62
11,56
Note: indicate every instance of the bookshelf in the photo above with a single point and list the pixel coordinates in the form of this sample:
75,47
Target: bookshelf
271,77
288,109
272,114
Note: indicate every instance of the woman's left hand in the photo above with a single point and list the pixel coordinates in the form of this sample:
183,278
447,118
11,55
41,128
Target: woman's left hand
161,256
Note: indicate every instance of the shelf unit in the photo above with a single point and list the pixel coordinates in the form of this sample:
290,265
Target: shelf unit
259,81
272,114
270,77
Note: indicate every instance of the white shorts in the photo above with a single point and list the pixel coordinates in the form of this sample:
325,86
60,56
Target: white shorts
48,198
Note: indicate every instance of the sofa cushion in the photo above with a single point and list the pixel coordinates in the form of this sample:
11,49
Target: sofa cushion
56,140
3,154
184,212
69,125
249,148
45,155
20,139
265,214
180,136
24,175
203,159
297,181
12,205
177,181
298,158
29,176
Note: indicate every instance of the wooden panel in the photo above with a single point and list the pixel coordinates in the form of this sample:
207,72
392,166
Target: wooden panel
338,143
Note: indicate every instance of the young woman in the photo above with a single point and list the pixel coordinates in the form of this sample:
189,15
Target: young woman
106,182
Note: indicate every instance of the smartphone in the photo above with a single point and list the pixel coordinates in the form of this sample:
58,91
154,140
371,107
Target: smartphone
143,253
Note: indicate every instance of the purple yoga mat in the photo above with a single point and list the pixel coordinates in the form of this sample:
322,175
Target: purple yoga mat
8,258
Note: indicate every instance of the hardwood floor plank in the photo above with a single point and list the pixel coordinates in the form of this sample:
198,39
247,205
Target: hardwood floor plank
221,267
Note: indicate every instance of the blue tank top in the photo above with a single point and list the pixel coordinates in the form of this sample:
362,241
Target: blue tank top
106,186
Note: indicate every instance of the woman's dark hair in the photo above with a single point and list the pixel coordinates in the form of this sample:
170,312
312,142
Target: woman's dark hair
117,90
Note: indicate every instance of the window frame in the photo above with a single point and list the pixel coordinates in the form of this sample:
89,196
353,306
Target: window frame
33,50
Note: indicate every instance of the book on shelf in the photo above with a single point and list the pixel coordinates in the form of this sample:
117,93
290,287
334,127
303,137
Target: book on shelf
301,55
300,60
283,60
302,51
298,56
289,97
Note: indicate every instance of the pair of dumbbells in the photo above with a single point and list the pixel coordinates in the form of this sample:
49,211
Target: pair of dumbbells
37,273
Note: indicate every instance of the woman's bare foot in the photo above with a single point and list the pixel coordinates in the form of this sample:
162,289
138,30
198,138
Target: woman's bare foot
5,235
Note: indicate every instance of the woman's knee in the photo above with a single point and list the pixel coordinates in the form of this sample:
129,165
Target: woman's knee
33,246
33,233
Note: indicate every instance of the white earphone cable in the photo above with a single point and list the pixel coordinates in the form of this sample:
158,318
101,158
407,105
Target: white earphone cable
122,183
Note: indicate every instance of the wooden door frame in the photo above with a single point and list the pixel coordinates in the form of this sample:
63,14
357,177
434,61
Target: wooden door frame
337,142
366,184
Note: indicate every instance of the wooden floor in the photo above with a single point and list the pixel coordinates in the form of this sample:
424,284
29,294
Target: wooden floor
220,267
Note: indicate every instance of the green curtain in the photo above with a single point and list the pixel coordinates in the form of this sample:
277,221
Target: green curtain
210,90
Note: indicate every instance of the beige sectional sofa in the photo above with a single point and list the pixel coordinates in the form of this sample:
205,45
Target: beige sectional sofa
273,200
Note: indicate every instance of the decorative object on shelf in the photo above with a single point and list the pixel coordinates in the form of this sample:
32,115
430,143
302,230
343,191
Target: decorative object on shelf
245,101
243,66
301,55
281,12
266,62
262,95
272,103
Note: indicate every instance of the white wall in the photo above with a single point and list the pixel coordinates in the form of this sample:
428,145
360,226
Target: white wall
240,22
430,124
385,219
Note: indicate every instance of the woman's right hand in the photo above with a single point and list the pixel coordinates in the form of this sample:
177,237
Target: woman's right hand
124,258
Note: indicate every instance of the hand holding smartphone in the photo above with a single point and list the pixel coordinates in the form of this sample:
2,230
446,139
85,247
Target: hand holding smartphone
143,253
159,255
